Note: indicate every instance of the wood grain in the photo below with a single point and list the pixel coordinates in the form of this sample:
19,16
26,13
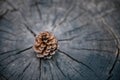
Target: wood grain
88,33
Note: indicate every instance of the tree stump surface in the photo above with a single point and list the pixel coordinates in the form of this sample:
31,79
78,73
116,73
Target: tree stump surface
88,33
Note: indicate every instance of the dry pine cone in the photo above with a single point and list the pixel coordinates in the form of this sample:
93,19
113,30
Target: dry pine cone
45,44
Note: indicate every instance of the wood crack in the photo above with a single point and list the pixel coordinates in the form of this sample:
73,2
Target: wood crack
114,64
30,30
59,68
21,74
3,14
8,52
39,11
17,53
68,39
7,32
65,16
40,68
93,50
109,29
9,63
80,63
6,38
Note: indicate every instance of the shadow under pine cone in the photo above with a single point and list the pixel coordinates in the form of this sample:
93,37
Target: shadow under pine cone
88,34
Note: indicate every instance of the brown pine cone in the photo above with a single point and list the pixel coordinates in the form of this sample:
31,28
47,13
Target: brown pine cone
45,44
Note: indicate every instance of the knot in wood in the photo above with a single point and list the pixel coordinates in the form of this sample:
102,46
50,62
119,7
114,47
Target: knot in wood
45,44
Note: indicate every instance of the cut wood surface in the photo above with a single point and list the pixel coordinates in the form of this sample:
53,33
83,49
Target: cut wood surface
88,33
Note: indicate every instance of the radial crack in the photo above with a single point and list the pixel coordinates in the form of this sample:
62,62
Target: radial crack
78,72
21,74
51,70
3,14
79,15
69,39
27,27
13,73
30,30
22,15
39,11
93,50
80,28
17,53
65,16
52,62
9,3
105,13
75,59
9,63
59,67
32,74
101,39
55,18
24,50
3,77
8,51
80,63
7,32
5,38
40,68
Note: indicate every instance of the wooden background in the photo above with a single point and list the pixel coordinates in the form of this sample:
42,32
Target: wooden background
88,32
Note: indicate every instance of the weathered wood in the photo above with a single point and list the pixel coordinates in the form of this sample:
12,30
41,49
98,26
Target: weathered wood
88,33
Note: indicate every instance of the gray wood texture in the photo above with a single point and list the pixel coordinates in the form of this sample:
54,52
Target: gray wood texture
88,32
